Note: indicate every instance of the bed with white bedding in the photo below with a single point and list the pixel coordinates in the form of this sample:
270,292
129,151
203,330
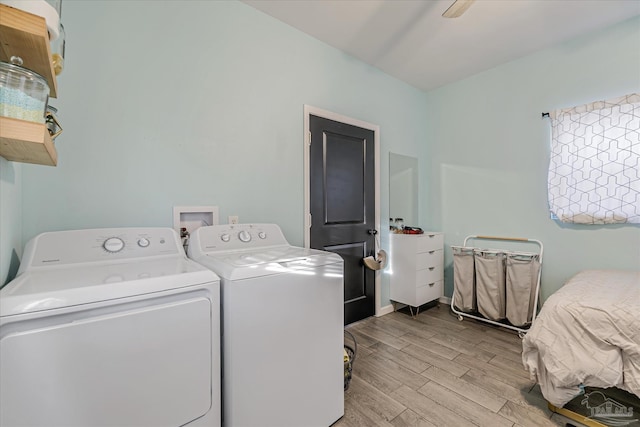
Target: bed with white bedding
587,334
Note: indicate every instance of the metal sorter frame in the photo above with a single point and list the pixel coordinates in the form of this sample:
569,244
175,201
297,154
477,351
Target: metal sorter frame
521,331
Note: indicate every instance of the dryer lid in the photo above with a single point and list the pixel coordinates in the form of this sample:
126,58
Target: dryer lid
62,286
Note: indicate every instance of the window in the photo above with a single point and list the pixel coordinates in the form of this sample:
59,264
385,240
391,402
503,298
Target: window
594,168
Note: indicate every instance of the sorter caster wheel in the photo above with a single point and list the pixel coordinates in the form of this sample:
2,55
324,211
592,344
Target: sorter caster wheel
460,318
521,335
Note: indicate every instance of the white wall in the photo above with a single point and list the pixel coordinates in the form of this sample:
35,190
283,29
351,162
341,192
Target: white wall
199,103
488,150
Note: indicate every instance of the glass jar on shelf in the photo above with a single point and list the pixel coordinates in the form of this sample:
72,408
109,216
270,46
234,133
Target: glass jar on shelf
23,93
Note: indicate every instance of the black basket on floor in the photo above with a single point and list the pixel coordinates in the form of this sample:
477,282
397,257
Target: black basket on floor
349,359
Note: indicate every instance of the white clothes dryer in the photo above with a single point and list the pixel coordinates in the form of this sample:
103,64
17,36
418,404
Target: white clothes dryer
110,327
282,326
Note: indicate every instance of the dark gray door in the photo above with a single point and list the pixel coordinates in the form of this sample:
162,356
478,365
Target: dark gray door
342,203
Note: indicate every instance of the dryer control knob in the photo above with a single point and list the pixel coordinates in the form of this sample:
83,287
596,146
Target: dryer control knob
225,237
262,235
113,244
244,236
143,242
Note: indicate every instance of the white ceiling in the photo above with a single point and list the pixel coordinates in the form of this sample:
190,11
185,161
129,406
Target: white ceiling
410,40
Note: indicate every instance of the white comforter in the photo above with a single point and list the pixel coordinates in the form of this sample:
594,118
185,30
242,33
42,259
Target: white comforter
587,333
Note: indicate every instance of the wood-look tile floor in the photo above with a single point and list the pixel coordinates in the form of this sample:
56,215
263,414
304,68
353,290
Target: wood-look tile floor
433,370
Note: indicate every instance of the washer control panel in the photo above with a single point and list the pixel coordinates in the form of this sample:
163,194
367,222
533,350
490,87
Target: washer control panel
75,246
236,236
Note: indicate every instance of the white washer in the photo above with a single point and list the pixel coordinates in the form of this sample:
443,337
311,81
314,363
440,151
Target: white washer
282,326
110,327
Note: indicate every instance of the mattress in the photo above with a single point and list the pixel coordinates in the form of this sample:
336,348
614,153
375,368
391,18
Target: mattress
587,334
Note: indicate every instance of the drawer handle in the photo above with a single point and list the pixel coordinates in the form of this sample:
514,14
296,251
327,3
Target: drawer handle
431,284
431,235
431,252
431,268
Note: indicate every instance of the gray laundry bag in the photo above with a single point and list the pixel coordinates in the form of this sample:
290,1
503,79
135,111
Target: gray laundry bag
464,279
490,283
522,271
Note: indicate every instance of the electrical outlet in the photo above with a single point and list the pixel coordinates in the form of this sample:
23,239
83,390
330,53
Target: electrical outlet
233,219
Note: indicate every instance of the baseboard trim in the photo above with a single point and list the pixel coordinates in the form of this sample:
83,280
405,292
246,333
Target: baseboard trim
390,309
385,310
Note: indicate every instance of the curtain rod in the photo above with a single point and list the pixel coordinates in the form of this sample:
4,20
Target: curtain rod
545,115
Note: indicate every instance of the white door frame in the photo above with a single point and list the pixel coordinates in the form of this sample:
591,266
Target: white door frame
310,110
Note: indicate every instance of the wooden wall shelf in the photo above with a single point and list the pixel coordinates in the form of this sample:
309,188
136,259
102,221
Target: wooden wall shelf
27,142
25,35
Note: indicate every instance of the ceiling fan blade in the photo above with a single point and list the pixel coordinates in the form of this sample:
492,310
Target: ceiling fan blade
457,8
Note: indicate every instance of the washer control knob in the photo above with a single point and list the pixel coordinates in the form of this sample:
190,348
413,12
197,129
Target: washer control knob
262,235
143,242
244,236
113,244
225,237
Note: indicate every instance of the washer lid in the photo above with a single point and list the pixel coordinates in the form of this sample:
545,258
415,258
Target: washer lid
237,265
62,286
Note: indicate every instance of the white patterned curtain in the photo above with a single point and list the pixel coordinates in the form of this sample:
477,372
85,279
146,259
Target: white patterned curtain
594,169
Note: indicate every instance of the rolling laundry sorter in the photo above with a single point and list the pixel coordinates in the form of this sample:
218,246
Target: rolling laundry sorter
498,286
416,268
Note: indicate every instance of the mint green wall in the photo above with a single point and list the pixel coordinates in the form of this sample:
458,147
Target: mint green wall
10,219
199,103
487,151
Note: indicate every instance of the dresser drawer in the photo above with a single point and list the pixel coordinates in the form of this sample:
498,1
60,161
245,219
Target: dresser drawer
429,259
429,275
430,242
430,292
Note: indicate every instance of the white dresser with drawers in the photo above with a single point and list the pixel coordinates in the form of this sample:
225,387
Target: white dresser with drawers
416,268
